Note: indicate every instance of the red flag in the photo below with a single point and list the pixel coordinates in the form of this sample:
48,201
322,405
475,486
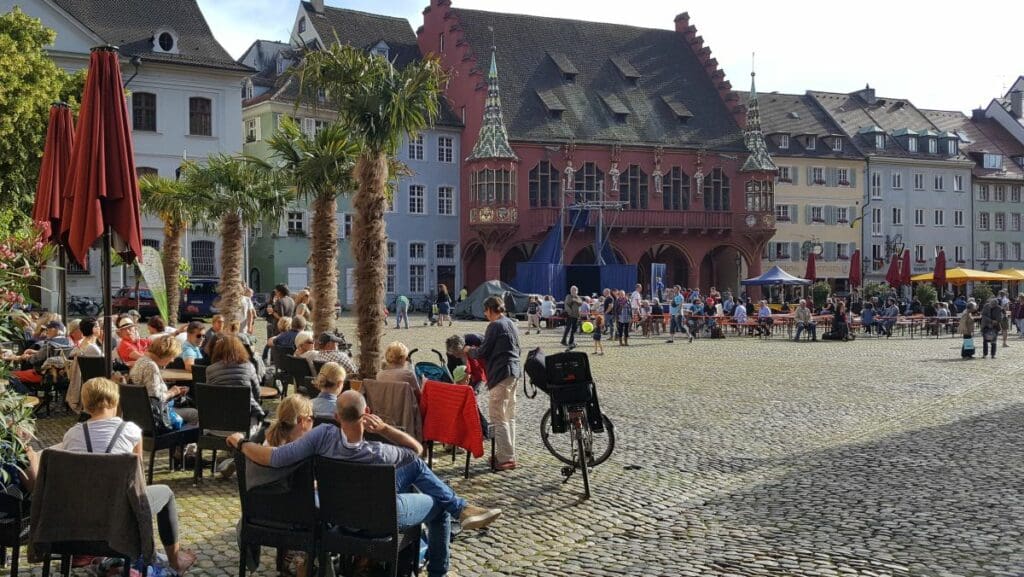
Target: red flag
103,190
892,276
905,269
855,269
812,272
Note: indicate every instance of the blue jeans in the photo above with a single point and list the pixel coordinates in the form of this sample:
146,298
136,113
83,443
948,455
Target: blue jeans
435,505
813,327
400,315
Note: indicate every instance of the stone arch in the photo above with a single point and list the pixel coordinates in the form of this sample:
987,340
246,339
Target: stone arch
724,266
679,263
474,265
515,255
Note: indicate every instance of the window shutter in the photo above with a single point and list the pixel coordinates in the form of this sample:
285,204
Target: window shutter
853,248
771,250
831,176
309,126
259,130
830,215
306,224
810,176
795,174
853,178
339,218
851,214
282,227
807,214
830,251
794,251
794,213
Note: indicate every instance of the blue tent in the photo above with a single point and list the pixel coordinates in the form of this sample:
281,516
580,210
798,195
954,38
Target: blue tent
776,276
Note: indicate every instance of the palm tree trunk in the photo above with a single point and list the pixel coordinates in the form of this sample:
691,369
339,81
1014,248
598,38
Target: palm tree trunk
231,267
324,262
171,259
368,248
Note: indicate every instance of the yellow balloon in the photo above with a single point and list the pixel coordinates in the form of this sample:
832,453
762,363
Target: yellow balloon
588,327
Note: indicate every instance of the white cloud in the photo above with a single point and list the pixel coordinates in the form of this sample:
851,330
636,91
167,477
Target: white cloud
939,54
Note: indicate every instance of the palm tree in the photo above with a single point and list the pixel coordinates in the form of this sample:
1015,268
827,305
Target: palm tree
236,191
377,105
174,203
321,169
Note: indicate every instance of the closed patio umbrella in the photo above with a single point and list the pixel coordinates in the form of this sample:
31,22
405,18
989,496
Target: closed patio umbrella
892,276
103,195
53,181
812,271
939,275
905,269
855,269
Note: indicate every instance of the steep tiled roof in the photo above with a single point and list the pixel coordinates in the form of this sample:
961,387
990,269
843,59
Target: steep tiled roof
858,117
492,142
365,30
535,54
984,135
760,159
131,25
797,115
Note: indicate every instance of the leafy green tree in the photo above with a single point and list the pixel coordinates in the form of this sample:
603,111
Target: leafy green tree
377,105
320,169
981,293
926,293
235,191
177,205
29,83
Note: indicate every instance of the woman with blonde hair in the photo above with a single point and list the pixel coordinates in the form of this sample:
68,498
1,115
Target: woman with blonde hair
396,367
330,382
146,372
294,419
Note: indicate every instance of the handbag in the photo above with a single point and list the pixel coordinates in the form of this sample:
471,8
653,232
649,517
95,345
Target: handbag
165,417
968,343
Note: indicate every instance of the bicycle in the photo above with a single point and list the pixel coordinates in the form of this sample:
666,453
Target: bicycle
574,409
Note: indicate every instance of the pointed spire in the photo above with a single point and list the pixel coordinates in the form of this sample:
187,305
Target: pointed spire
759,159
493,140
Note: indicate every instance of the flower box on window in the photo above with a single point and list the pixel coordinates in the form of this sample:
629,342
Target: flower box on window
818,220
844,183
842,221
843,257
294,232
782,219
789,180
819,181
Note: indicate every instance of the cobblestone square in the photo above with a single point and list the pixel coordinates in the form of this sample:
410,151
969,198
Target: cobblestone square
876,457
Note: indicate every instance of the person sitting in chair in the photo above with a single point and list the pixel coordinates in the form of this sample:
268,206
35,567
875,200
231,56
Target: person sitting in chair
435,504
804,321
53,341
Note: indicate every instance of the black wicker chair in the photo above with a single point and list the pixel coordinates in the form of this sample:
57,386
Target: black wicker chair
221,408
135,408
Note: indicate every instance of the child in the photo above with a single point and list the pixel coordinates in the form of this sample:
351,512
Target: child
645,317
533,314
330,382
460,375
598,328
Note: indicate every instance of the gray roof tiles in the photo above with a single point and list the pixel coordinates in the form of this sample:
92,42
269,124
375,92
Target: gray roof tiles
131,25
668,67
797,115
983,136
365,30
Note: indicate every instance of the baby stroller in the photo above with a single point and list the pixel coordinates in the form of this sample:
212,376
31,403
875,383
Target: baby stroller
428,371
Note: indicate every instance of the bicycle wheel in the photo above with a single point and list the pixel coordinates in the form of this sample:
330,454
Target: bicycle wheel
599,446
580,429
560,447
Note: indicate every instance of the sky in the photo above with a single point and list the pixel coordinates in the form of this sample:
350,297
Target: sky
939,54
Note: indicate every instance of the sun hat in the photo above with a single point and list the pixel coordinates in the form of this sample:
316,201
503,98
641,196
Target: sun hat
459,373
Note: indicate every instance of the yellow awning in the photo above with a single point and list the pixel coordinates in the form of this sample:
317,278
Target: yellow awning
964,275
1016,273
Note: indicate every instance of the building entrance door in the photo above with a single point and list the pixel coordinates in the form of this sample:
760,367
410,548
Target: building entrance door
446,276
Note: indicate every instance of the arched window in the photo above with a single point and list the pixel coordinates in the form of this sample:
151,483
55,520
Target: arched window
675,190
716,191
492,186
202,258
545,188
589,182
633,187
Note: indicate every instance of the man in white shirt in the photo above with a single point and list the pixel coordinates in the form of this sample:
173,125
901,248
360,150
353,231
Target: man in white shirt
248,312
635,298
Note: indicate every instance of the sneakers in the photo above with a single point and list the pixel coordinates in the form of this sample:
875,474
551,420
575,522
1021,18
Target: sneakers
226,468
473,517
506,466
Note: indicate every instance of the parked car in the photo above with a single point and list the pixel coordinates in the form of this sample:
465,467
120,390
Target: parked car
125,300
200,299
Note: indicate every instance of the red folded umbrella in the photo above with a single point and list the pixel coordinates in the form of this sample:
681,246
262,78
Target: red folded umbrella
812,272
939,276
892,277
53,173
103,189
905,269
855,269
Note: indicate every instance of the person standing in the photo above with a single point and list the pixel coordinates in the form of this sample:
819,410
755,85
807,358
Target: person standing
282,306
991,320
967,330
624,317
572,305
444,306
500,350
401,311
608,306
248,324
1004,323
1018,315
659,289
533,314
547,310
636,298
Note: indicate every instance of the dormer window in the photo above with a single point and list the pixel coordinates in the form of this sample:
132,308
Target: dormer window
382,50
626,69
837,144
247,89
880,141
993,161
617,107
784,141
678,109
165,40
302,25
951,147
1019,160
812,142
565,66
912,144
933,146
282,64
552,103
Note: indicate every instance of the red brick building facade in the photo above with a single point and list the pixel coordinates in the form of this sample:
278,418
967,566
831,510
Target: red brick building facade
601,112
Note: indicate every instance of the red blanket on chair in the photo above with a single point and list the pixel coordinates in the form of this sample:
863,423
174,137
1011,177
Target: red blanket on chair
450,416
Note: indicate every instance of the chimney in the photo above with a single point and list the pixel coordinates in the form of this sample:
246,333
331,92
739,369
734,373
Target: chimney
318,6
682,22
867,95
1017,103
978,114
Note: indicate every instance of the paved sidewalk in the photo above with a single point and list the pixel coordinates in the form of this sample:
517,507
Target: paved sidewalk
875,457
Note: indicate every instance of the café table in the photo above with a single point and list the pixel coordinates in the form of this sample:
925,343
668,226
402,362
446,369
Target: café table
176,375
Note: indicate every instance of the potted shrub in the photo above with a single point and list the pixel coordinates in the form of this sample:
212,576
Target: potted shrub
16,421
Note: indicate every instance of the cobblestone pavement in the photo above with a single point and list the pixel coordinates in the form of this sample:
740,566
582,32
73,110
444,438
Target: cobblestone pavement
875,457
